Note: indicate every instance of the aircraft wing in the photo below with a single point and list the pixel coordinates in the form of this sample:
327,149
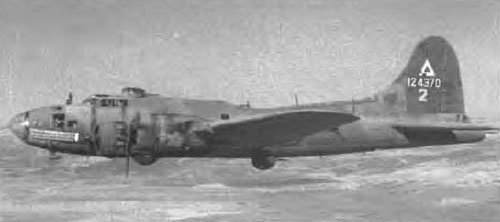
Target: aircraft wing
275,128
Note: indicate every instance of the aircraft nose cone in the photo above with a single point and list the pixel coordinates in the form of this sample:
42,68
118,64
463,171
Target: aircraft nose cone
19,125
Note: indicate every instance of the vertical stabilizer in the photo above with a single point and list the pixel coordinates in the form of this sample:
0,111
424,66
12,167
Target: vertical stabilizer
430,83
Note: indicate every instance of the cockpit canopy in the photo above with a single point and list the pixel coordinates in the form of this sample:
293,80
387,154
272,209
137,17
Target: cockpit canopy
118,100
106,101
134,92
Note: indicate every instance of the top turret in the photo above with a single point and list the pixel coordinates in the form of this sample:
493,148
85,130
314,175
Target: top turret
134,92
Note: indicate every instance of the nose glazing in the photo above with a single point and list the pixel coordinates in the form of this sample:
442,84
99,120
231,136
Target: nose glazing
19,125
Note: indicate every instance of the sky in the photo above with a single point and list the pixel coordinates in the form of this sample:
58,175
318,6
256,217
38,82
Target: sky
235,50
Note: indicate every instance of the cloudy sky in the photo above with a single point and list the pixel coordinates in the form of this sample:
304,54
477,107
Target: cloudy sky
262,51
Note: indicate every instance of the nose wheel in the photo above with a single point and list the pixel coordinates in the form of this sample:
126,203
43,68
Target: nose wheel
263,159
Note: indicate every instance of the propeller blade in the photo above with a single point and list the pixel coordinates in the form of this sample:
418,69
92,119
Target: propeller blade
127,166
127,152
133,126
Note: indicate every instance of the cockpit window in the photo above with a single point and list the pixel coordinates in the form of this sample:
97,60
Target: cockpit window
106,102
114,102
89,101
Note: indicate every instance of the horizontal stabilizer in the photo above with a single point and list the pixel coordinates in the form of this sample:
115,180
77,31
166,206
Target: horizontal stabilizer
446,126
276,128
443,133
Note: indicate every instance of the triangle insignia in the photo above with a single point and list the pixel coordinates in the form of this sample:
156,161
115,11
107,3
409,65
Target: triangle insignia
426,69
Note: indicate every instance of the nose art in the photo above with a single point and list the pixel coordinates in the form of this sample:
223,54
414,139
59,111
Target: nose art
19,125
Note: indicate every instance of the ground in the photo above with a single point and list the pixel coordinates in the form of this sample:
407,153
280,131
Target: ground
442,183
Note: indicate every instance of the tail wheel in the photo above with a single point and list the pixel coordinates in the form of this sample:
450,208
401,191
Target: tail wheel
263,160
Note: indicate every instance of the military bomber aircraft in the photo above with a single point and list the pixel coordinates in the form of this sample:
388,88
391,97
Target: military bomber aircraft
423,106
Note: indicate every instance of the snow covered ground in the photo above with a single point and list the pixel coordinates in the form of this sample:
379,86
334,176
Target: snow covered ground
445,183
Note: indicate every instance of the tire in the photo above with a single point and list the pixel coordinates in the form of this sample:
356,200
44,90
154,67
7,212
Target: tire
144,158
263,160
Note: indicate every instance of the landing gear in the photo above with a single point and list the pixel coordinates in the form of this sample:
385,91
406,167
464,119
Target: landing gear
263,159
144,158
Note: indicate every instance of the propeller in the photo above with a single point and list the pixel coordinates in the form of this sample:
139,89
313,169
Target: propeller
127,164
133,126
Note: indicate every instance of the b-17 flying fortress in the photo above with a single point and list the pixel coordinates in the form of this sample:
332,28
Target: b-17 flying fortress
424,106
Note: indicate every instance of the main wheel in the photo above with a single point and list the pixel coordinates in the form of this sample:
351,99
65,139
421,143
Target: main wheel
263,160
144,158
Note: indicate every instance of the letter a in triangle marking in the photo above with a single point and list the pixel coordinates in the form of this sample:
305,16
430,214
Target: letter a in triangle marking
427,69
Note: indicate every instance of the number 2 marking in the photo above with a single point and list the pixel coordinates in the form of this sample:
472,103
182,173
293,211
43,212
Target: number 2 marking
423,95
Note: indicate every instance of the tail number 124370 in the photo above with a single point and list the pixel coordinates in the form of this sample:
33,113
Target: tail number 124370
424,82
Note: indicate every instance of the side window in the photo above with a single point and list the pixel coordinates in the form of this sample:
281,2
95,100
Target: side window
123,103
224,116
58,120
72,124
115,103
106,103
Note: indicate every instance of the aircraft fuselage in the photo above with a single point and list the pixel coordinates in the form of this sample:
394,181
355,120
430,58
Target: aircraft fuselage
94,128
423,106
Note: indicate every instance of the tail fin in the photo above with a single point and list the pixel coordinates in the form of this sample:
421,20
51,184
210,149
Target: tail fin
429,84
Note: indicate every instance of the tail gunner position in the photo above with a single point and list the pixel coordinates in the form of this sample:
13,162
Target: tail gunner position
423,106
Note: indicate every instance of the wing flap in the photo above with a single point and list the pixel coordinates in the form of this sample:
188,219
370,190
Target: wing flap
276,128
